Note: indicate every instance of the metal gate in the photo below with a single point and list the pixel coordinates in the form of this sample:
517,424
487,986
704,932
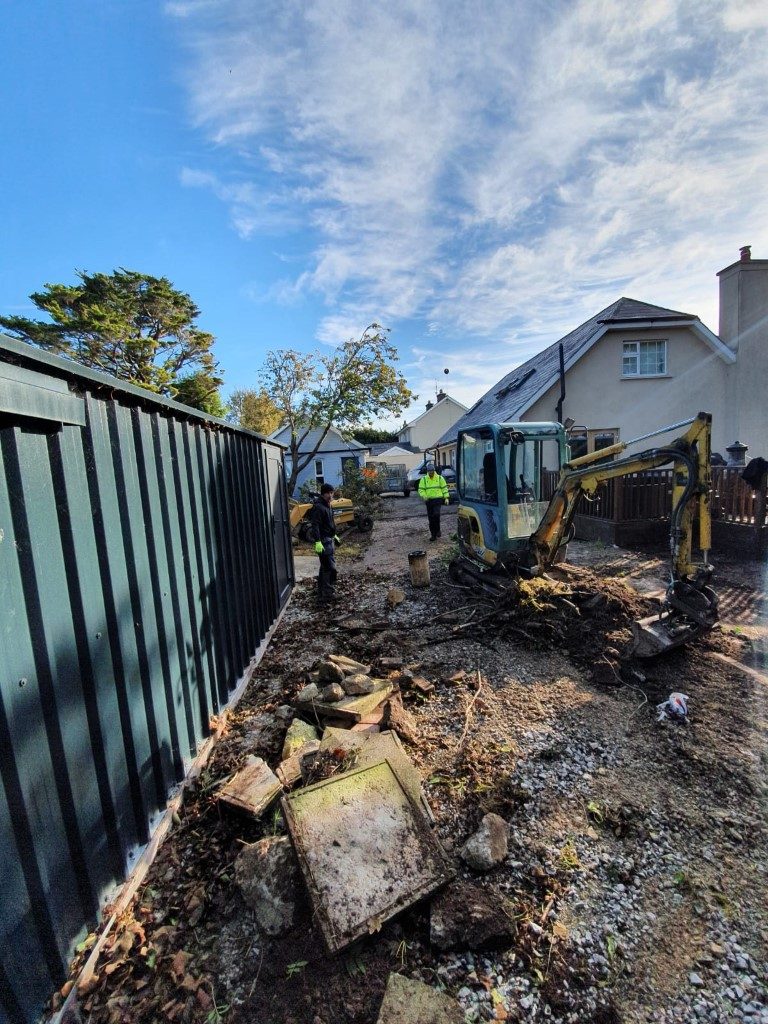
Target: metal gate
144,554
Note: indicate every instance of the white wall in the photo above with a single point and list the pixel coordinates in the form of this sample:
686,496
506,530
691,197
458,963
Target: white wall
433,424
597,395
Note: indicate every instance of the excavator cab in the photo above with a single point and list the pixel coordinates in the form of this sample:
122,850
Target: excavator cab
504,471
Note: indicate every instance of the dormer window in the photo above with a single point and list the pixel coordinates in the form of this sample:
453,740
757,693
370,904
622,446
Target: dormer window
644,359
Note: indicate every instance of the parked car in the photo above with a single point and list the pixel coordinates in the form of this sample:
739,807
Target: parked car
447,473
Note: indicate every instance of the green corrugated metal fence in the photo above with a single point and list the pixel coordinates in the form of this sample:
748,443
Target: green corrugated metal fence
144,554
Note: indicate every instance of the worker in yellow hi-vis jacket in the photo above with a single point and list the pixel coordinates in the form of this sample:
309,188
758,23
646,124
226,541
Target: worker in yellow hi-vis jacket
434,490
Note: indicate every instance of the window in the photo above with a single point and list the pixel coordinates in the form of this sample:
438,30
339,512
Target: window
644,359
319,474
478,467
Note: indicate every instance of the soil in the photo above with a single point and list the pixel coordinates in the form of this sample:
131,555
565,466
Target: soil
635,844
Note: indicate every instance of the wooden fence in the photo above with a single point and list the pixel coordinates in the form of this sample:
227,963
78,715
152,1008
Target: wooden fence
635,510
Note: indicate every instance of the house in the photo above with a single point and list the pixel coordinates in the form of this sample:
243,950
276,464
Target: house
327,465
634,367
438,417
395,453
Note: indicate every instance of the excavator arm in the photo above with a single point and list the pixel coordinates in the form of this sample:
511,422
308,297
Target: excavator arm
690,605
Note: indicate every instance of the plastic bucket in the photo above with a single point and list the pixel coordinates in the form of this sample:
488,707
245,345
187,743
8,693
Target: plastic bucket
419,566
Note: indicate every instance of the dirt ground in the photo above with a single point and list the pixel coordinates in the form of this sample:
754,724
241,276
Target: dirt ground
638,863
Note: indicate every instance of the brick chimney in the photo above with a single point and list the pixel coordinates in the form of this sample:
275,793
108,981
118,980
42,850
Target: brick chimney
441,395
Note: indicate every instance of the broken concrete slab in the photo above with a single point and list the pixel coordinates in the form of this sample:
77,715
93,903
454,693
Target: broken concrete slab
358,684
466,916
390,663
365,849
488,846
252,789
289,771
372,749
269,879
407,1001
353,709
298,734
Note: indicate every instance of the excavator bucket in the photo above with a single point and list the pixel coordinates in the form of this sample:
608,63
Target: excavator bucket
656,634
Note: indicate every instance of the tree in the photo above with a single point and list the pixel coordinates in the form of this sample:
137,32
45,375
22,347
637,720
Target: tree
135,326
254,410
352,385
372,435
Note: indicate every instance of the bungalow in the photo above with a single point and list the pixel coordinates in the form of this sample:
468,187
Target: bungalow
327,465
634,367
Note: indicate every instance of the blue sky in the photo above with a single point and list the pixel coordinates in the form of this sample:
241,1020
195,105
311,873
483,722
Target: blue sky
480,178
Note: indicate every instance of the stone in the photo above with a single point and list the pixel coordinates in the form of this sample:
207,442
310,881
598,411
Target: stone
309,693
407,1001
329,672
696,980
395,596
269,879
488,846
358,684
465,916
348,665
332,692
298,734
390,663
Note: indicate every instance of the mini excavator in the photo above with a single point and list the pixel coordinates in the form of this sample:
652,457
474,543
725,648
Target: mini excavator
508,530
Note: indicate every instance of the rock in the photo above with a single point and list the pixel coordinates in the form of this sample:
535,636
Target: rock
407,1001
268,875
395,596
358,684
464,916
348,665
696,980
310,692
332,693
488,846
252,789
299,733
329,672
401,721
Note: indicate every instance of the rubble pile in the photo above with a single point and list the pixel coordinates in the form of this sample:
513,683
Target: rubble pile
444,819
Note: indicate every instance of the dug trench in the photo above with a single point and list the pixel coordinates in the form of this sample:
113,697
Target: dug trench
634,888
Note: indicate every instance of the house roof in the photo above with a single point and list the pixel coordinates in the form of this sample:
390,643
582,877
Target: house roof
509,399
380,447
428,411
333,441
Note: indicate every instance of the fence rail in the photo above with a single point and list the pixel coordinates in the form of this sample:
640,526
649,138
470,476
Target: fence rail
144,554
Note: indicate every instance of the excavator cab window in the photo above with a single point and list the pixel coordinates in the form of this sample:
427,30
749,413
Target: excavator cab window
530,468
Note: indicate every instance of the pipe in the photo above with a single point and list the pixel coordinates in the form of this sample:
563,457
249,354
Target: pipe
561,399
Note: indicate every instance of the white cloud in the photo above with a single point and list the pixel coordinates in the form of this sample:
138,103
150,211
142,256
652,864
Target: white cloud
501,171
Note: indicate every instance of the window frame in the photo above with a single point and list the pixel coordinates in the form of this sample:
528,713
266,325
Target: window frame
320,477
636,355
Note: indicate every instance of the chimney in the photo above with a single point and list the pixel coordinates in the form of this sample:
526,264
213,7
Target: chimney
441,395
429,405
744,301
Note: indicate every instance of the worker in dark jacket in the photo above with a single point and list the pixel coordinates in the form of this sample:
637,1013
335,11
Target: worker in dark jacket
322,530
433,490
